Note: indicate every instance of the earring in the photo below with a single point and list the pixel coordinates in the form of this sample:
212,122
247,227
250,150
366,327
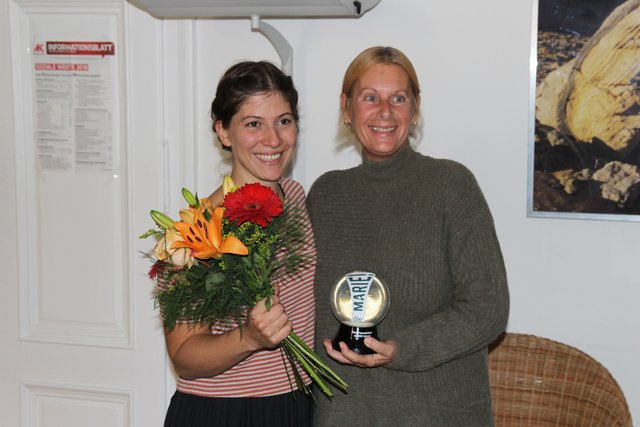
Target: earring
414,124
347,122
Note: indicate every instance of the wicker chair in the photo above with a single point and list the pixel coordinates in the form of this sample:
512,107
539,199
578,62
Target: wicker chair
539,382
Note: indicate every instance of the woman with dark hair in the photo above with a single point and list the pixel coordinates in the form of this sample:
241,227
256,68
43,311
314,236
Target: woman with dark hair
230,376
422,226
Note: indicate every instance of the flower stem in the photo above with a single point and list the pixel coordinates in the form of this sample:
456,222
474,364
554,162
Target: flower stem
312,364
310,370
318,363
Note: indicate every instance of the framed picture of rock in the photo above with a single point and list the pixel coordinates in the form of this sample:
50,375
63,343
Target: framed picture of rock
584,150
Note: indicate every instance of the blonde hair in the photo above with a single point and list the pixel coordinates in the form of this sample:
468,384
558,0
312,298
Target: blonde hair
360,65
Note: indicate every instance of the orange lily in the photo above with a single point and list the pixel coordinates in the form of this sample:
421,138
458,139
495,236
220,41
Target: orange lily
187,214
205,237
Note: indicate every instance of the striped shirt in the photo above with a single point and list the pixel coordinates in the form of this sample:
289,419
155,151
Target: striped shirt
265,373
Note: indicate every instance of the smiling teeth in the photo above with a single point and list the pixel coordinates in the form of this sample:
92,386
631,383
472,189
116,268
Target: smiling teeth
268,157
381,129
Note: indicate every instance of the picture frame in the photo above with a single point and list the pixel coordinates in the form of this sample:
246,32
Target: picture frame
584,122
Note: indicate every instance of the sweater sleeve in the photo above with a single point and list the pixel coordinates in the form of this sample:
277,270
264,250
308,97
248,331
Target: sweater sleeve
477,310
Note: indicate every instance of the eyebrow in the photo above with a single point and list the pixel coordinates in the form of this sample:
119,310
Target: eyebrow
406,91
250,116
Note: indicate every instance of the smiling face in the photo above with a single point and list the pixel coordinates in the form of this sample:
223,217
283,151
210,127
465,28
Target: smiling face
262,136
380,110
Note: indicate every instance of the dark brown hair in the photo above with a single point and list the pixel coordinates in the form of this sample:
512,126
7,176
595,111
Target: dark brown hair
246,79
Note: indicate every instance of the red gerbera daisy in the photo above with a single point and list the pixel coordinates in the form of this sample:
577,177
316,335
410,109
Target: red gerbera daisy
156,269
255,203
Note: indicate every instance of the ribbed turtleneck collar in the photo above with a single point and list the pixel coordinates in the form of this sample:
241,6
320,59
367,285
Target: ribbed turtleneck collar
394,165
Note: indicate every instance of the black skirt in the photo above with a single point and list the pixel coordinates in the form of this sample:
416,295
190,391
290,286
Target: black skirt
289,409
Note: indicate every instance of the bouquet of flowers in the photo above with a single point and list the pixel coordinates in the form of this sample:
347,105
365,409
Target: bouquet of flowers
217,262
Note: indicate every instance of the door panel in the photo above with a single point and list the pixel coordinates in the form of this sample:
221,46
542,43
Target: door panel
82,343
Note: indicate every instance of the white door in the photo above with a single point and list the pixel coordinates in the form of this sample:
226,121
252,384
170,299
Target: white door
81,344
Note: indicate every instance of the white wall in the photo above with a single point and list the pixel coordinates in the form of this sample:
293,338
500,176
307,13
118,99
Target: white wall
571,280
8,218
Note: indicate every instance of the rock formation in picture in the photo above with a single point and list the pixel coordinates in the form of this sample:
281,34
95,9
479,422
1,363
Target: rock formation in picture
587,136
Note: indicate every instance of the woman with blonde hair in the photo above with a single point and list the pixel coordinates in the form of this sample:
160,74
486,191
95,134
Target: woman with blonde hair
423,226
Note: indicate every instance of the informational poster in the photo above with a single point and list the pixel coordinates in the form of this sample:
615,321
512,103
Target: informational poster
71,172
75,103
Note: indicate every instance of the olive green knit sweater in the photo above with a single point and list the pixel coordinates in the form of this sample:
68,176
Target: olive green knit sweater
423,226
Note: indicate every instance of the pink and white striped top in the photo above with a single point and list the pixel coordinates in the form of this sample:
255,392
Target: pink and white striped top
263,373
